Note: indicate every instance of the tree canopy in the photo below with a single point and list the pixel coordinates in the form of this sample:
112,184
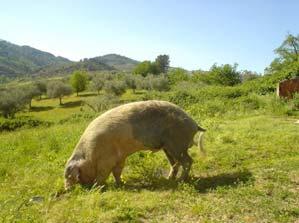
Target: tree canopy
79,81
162,62
58,89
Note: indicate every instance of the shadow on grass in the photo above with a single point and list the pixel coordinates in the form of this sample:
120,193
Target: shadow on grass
201,184
71,104
41,108
88,95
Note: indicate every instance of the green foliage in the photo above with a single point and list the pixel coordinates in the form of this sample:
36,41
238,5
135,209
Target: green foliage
152,82
79,81
247,75
145,68
58,89
30,92
98,82
116,87
225,75
177,75
41,86
286,65
162,62
23,121
102,102
11,101
131,81
289,49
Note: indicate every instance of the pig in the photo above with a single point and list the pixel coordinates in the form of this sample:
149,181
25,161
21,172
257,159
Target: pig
146,125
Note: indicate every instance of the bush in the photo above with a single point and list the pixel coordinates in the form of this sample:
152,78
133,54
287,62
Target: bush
177,75
160,83
13,124
295,101
188,86
151,82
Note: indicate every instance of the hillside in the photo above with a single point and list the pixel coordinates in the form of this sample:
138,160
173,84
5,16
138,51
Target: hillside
118,62
18,60
107,62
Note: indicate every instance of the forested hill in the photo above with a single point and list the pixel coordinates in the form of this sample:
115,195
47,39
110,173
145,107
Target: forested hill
18,60
107,62
118,62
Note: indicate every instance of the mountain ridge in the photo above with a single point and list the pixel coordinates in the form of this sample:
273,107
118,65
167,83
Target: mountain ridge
16,60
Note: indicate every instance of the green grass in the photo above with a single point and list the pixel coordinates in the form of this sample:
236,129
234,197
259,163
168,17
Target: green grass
250,173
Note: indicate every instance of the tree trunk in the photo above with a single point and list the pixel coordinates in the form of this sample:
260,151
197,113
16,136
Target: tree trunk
60,101
77,93
30,104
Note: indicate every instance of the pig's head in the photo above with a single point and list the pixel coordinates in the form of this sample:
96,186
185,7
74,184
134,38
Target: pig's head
71,174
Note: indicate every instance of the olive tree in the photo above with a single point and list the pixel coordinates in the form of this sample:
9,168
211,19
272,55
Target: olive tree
97,83
58,89
11,101
131,82
116,87
42,87
30,92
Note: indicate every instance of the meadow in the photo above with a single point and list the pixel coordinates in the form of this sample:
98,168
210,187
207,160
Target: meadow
250,172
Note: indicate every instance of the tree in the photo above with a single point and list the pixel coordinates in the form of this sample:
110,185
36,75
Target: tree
98,83
30,92
146,67
58,89
289,49
131,82
11,101
42,87
115,87
162,62
225,74
177,75
247,75
160,83
79,81
286,65
102,102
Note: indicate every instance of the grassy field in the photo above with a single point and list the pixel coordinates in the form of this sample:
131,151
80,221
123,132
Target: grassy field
250,173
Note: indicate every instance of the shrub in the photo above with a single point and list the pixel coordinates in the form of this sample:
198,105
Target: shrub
151,82
160,83
13,124
295,101
177,75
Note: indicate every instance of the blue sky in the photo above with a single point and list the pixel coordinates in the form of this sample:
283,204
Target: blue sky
195,33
